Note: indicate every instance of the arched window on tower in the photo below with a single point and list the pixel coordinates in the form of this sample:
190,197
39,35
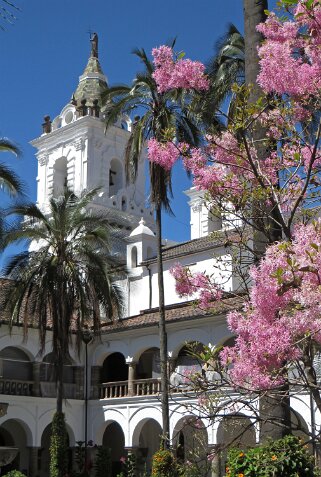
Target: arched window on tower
134,257
214,221
59,176
115,177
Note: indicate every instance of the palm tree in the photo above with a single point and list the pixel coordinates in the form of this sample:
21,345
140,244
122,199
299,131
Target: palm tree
8,179
224,69
6,12
161,112
66,279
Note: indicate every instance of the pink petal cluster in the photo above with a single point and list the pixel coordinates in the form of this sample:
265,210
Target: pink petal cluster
183,73
189,284
165,154
309,16
284,309
290,62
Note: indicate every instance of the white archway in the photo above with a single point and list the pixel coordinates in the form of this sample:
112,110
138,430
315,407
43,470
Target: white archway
138,419
109,416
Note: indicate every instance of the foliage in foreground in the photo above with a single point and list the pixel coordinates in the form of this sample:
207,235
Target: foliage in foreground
164,464
285,457
58,446
102,464
14,473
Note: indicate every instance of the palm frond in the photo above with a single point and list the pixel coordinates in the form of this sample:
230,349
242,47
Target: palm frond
140,53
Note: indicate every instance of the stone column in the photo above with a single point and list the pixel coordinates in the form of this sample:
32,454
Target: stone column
214,451
171,361
36,391
131,375
171,365
79,381
33,461
95,382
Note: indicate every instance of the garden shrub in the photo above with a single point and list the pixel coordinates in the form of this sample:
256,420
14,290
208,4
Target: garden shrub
164,464
14,473
103,467
286,457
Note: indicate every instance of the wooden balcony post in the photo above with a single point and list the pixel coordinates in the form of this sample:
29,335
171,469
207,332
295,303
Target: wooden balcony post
131,376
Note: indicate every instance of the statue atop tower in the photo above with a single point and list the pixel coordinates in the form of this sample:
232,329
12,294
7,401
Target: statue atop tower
94,45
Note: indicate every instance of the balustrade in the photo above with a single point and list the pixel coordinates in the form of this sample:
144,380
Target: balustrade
15,387
141,387
114,390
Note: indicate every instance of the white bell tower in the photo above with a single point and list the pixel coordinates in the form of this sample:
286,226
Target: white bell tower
75,151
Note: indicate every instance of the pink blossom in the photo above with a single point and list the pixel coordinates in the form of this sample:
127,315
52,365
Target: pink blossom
284,308
188,284
275,30
165,154
290,63
184,73
162,55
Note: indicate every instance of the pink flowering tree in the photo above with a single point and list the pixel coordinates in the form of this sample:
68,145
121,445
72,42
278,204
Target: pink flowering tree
266,190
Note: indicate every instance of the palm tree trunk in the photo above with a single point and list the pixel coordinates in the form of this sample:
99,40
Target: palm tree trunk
274,406
253,15
59,383
162,331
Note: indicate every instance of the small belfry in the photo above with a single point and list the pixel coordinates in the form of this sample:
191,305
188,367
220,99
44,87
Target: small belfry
75,151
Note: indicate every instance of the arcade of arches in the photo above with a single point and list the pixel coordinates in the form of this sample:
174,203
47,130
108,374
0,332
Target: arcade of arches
137,431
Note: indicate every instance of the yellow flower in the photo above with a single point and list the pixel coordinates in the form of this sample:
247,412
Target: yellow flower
241,454
241,475
274,457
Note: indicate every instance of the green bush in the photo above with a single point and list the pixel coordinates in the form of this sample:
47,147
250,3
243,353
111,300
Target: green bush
164,464
286,457
14,473
103,466
128,466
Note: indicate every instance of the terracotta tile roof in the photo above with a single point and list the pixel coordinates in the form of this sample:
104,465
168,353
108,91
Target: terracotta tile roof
178,312
192,246
174,313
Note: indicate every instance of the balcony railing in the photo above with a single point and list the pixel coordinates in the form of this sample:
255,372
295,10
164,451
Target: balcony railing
114,390
146,387
49,389
141,387
16,387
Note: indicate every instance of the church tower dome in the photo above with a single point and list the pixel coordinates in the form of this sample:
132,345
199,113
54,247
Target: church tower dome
92,83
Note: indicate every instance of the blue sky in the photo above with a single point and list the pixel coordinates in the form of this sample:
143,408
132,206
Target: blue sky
45,51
